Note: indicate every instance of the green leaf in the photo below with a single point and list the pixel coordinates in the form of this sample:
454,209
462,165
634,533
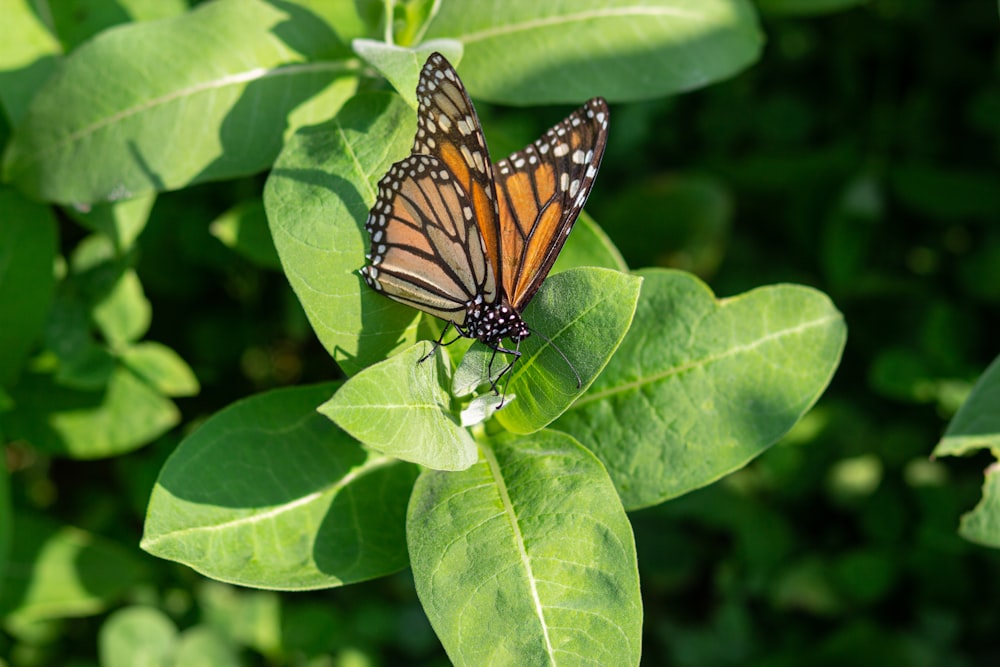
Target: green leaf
78,20
398,407
700,387
623,50
287,516
27,278
124,314
527,558
118,418
202,646
137,637
245,617
977,426
28,54
244,229
186,95
586,314
59,571
588,245
317,198
162,368
121,222
401,65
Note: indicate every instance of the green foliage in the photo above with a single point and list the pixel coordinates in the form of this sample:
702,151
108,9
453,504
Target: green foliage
162,390
488,547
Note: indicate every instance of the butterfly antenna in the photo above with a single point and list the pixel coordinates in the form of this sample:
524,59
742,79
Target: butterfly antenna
579,382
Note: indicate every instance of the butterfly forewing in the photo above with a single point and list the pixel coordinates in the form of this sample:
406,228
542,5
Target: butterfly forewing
427,245
541,191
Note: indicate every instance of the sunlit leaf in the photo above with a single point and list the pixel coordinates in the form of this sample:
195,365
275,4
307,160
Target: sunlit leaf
569,52
527,558
700,387
399,407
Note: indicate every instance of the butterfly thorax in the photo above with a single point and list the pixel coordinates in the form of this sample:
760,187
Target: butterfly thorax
489,323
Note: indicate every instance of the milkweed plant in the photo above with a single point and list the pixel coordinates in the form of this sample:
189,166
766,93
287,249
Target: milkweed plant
513,521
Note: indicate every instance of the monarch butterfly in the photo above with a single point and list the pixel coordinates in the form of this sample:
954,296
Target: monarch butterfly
468,241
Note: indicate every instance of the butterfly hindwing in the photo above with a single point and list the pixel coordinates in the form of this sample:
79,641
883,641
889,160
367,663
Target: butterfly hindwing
541,191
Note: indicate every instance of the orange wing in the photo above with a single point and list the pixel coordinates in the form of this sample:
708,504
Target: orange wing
427,250
541,191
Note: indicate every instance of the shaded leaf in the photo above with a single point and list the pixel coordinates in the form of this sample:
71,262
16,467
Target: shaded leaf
59,571
399,407
76,21
700,387
122,221
287,516
122,416
527,558
27,278
162,368
244,229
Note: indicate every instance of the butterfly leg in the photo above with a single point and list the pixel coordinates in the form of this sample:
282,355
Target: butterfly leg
516,353
440,341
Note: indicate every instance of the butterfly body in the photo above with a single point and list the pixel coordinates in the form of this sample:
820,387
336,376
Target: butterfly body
468,241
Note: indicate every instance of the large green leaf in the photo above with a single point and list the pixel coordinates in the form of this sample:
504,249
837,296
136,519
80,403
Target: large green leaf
27,278
623,49
287,516
317,199
585,313
57,571
527,558
977,426
400,408
700,387
203,96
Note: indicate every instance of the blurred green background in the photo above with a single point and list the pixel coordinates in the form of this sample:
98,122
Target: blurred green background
859,156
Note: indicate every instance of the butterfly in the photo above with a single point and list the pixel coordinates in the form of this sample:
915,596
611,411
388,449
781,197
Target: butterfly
468,241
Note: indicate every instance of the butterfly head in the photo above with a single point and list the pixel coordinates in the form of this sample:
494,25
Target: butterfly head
489,323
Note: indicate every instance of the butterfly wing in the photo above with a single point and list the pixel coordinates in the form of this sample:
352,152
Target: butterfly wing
541,191
427,250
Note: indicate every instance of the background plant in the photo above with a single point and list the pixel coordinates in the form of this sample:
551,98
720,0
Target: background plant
844,159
